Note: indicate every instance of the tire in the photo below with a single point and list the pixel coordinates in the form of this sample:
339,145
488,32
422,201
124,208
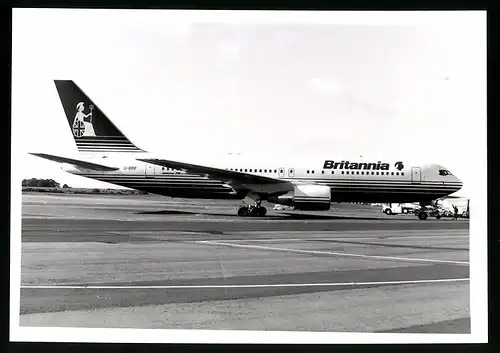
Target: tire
254,212
262,211
388,211
438,216
243,211
422,216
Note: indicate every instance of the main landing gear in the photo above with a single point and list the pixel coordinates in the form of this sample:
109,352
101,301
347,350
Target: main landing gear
252,210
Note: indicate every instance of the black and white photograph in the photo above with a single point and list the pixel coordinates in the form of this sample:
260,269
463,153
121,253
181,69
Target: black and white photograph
208,176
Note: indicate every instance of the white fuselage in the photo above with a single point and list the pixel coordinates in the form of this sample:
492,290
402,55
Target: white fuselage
359,180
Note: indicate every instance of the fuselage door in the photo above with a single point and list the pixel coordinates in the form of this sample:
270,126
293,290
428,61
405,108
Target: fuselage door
291,172
415,175
281,172
150,170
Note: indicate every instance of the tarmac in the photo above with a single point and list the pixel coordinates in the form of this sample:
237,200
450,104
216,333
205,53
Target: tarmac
153,262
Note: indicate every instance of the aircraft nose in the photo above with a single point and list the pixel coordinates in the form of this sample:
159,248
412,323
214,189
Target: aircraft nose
459,183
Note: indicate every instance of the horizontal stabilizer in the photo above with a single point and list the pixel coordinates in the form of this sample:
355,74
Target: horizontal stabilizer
76,162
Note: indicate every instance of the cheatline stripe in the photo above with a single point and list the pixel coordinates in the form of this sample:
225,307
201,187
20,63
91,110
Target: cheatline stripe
189,182
122,147
336,187
169,185
96,138
215,182
107,147
109,150
164,180
117,142
207,186
142,176
104,142
332,183
323,182
379,180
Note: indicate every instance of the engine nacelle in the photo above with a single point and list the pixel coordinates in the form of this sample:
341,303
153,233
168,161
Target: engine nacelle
306,197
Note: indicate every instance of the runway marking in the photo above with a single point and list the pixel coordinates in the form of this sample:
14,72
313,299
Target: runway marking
319,252
209,286
345,238
153,234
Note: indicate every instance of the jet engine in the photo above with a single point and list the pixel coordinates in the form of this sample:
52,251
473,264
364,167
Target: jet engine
306,197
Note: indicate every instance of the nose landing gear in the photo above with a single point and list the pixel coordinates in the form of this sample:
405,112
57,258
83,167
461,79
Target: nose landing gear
423,212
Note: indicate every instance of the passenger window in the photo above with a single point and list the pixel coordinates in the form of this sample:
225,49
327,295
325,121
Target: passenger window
347,172
402,173
357,173
377,173
307,172
312,171
342,172
245,170
260,170
322,172
392,173
333,172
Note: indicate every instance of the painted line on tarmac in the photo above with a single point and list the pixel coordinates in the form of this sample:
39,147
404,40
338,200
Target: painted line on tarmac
386,231
209,286
319,252
153,234
342,238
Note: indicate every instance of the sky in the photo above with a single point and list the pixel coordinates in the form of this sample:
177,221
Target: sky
400,84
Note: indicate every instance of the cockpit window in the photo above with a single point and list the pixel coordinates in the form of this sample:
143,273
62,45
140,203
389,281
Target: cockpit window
444,172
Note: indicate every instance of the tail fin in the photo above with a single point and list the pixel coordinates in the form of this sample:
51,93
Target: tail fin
91,129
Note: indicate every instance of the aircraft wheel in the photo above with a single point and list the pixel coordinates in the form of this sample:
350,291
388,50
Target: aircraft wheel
438,216
388,212
255,212
243,211
422,216
262,211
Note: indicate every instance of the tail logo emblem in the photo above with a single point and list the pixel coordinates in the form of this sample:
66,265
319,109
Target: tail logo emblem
82,125
399,165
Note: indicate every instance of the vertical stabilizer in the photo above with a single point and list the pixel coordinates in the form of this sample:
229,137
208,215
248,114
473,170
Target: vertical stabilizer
91,129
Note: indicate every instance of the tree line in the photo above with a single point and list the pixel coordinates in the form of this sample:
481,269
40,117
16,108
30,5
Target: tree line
47,183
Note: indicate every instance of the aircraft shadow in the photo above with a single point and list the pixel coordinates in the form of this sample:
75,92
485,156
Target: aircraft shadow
280,216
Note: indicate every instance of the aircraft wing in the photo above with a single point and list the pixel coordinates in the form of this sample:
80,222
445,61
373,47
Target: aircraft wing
76,162
257,183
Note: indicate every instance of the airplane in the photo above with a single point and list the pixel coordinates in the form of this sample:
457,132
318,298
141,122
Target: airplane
106,154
